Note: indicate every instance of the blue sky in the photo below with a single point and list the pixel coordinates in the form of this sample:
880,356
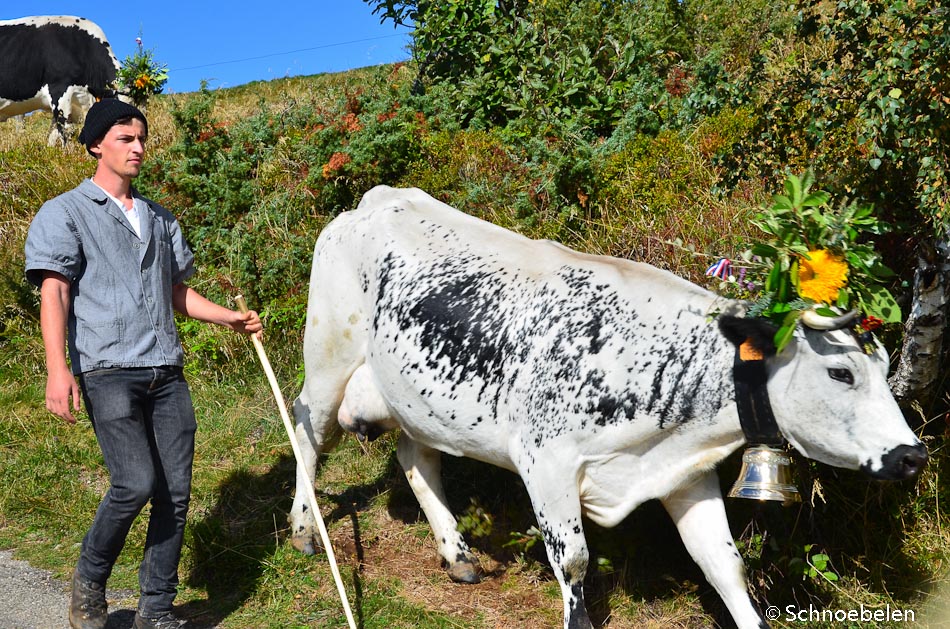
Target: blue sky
235,42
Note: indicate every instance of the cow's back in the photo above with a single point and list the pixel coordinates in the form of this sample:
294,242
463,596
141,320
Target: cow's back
413,224
491,335
55,51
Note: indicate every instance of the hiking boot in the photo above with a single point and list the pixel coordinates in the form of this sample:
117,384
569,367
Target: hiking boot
87,606
164,621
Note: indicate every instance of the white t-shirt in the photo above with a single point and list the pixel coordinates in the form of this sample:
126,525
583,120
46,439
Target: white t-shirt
131,215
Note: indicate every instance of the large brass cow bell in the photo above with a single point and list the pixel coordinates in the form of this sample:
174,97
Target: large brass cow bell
765,475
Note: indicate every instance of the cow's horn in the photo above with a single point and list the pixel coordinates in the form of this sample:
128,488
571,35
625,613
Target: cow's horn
820,322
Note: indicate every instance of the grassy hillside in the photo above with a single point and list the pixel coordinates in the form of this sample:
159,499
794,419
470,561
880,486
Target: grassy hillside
254,172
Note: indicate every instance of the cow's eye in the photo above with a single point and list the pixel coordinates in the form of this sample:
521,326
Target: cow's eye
842,375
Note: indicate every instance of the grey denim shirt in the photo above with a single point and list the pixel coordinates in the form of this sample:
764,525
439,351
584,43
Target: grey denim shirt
120,285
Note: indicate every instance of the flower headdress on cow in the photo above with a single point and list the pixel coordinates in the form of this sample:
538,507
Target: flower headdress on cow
811,261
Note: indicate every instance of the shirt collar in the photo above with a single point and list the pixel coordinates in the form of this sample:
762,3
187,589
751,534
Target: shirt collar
92,190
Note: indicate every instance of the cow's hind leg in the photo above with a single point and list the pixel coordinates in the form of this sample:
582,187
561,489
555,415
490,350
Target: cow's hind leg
423,468
330,358
700,517
315,433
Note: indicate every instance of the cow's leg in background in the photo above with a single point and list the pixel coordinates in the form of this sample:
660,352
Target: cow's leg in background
700,517
75,103
60,107
423,468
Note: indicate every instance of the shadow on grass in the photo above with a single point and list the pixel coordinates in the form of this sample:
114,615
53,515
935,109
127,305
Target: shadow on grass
232,542
643,557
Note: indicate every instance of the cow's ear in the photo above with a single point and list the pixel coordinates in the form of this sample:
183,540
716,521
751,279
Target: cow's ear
752,335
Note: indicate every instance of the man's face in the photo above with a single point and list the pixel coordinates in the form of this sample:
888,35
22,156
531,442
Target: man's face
122,148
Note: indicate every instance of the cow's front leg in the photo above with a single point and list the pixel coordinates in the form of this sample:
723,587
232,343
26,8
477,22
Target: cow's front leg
423,468
700,517
557,506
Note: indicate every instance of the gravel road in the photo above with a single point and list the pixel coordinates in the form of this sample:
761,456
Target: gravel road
31,598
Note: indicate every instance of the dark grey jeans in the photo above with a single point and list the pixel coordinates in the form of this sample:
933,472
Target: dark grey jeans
145,424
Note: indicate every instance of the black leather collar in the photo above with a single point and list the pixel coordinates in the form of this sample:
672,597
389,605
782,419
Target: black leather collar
752,400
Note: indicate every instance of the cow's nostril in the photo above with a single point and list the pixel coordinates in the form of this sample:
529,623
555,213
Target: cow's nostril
914,461
901,463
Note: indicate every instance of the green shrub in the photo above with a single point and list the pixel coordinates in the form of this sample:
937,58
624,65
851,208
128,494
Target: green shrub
657,197
859,99
473,170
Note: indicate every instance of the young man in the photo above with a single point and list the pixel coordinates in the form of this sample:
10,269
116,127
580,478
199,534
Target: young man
111,267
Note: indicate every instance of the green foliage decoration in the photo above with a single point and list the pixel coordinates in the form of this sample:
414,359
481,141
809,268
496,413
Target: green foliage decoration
814,256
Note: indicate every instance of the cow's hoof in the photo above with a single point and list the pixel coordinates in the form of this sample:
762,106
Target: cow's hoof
306,544
465,569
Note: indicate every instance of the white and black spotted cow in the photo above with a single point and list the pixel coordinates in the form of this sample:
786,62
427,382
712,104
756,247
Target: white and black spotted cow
61,63
602,382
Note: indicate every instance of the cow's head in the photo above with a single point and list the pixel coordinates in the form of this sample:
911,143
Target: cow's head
831,400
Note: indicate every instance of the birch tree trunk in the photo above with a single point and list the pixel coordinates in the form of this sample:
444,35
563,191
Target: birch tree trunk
917,373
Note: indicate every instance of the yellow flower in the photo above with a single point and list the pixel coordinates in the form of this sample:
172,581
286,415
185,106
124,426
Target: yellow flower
822,276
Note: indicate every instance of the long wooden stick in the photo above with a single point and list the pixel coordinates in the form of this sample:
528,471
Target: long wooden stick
314,508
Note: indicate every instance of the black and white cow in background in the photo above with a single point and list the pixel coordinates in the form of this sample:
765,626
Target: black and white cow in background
602,382
61,63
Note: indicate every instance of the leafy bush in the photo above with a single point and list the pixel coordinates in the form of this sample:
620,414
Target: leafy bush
474,170
861,100
548,65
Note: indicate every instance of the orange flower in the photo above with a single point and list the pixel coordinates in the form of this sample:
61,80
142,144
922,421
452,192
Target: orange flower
821,276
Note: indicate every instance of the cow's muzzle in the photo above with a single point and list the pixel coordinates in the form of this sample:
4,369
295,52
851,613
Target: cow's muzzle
901,463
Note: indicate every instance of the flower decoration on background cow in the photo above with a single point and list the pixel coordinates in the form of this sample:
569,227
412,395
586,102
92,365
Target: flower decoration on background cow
141,76
814,262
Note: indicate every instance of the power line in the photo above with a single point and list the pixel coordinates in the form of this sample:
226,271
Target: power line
289,52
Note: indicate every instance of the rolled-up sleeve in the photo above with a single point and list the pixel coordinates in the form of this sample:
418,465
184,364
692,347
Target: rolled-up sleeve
52,244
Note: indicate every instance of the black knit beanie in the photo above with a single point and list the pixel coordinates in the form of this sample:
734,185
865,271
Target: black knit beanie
102,115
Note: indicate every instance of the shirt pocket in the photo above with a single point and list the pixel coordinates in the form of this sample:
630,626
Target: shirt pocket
99,338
